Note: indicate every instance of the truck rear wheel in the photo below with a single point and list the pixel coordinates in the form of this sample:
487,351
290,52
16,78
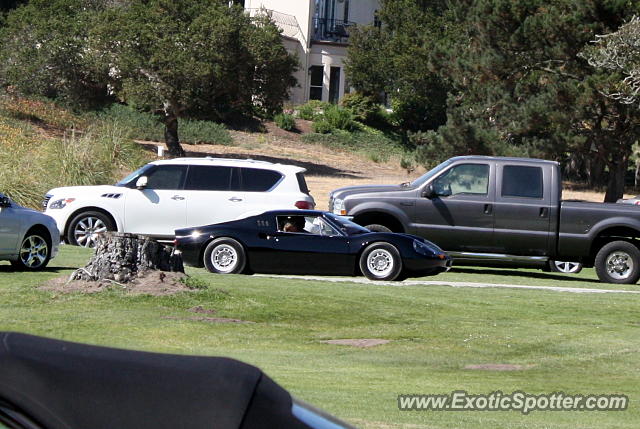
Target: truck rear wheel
565,267
618,262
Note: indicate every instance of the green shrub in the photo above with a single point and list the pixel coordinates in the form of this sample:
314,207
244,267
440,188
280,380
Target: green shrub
312,109
368,142
285,121
196,132
364,108
141,125
321,127
146,126
306,112
338,118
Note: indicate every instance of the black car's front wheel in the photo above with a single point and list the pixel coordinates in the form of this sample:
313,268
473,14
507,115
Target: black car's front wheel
381,261
225,256
618,262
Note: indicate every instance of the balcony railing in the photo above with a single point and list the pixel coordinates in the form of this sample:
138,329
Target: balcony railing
331,30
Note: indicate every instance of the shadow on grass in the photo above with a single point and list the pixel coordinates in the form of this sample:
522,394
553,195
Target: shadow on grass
10,269
516,273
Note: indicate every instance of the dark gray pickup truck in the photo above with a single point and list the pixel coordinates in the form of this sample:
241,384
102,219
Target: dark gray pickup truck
491,210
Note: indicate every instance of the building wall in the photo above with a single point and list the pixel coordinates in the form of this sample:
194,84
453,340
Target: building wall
313,52
301,9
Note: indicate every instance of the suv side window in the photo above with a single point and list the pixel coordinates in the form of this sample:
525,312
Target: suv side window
521,181
166,177
469,179
208,178
258,179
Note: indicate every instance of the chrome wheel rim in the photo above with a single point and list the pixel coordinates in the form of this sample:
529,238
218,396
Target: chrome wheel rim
87,230
34,251
566,267
619,265
380,262
224,258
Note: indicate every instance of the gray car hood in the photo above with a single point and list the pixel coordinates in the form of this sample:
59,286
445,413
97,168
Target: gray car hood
366,189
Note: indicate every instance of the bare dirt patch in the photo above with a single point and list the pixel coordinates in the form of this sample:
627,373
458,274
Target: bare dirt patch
498,367
155,283
201,309
208,319
358,342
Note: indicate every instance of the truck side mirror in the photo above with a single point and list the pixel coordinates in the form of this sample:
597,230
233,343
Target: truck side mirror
141,183
429,192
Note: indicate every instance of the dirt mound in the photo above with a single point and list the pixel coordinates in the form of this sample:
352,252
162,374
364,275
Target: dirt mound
155,283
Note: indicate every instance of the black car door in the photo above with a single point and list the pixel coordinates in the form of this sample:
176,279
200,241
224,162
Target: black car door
318,248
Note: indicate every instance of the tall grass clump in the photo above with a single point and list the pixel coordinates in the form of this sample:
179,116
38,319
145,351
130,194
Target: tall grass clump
97,156
285,121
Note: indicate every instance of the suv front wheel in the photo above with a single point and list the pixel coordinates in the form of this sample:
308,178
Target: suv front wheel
85,228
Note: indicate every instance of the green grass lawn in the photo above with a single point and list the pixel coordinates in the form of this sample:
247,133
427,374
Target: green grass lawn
576,343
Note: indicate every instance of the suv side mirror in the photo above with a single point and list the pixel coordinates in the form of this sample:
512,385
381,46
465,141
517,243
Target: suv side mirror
429,192
141,183
5,201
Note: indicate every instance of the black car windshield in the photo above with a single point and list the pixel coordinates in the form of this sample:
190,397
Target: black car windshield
429,174
350,228
139,172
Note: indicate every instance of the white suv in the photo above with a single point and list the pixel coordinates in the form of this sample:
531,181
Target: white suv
165,195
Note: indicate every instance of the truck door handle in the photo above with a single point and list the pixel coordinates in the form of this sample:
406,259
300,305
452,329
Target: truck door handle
544,211
177,197
235,199
488,208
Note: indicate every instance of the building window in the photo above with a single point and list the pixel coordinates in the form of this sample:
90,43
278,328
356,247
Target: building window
346,10
317,78
334,85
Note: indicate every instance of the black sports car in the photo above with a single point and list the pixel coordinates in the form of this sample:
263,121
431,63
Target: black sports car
308,242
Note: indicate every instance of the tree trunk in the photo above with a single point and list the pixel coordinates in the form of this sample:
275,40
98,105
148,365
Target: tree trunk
122,257
171,132
615,185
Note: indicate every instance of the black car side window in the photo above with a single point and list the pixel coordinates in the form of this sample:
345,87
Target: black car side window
470,179
166,177
208,178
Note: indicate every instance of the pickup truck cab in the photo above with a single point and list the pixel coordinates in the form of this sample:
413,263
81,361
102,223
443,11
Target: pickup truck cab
495,210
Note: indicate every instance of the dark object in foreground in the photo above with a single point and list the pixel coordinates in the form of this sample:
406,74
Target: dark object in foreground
121,256
308,242
53,384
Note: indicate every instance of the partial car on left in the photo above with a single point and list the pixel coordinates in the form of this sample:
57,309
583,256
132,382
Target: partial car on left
28,238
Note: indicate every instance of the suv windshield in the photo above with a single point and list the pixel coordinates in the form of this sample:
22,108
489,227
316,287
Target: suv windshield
139,172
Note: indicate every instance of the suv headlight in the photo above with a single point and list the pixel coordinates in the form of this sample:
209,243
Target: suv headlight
61,203
338,207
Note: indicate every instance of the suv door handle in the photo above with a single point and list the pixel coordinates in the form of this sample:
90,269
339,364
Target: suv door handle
177,197
544,211
488,208
235,199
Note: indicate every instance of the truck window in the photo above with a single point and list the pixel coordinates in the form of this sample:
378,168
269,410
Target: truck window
521,181
471,179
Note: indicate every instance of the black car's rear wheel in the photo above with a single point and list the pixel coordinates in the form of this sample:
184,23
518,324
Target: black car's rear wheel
225,256
381,261
565,267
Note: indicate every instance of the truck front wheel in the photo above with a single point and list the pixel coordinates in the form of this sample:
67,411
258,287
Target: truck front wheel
618,262
375,227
